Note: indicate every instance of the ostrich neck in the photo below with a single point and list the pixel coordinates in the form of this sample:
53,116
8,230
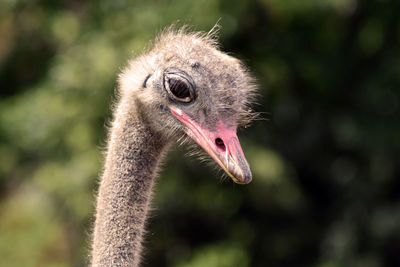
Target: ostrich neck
133,156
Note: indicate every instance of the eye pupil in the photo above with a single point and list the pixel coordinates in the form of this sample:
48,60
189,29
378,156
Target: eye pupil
179,85
179,88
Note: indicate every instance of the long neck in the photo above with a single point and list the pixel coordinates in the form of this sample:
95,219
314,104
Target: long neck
133,156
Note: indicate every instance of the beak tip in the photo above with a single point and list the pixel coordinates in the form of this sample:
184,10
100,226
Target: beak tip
246,178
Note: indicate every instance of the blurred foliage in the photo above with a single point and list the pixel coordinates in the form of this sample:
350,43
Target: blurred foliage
326,161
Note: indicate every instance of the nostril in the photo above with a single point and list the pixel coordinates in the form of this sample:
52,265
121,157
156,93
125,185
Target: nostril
220,144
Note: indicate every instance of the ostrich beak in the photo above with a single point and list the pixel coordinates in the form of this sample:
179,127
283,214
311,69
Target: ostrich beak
222,145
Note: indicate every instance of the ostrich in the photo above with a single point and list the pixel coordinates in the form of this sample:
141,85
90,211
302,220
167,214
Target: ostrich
183,88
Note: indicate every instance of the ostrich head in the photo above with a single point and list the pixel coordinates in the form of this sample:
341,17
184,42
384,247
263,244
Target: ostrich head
184,86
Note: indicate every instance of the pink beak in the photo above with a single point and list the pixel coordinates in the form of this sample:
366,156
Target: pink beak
222,145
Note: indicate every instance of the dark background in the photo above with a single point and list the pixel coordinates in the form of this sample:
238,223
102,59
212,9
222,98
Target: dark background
325,159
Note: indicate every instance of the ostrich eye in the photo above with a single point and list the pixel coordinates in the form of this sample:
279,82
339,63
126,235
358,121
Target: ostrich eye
179,89
179,85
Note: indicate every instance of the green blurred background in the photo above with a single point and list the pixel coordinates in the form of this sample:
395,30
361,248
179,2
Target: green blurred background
326,161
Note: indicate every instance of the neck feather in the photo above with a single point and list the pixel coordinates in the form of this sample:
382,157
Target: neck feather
134,153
